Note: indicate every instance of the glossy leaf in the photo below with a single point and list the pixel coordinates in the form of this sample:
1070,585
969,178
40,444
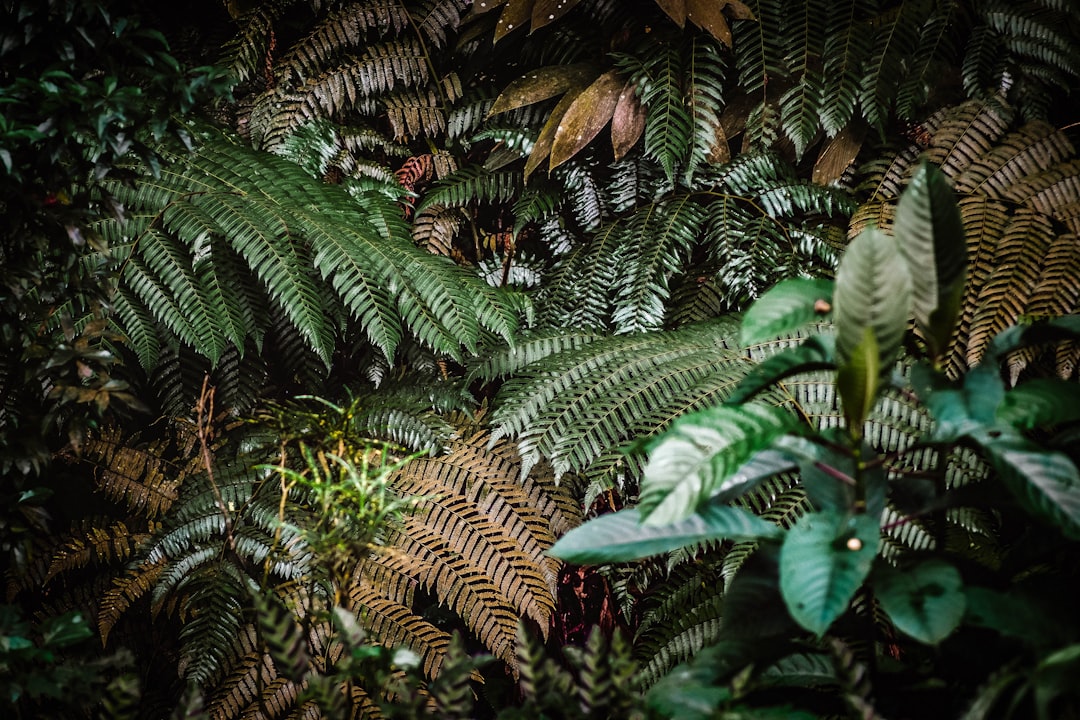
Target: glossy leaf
961,410
541,84
699,452
542,148
586,117
513,17
545,12
930,236
873,290
816,353
858,381
787,306
621,537
1045,483
926,602
1042,402
823,561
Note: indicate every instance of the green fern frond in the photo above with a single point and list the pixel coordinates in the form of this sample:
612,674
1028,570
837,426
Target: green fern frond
234,231
846,47
678,639
669,127
575,407
475,184
896,35
214,621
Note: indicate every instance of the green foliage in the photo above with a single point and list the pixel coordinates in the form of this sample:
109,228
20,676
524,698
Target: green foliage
212,234
829,563
39,673
639,173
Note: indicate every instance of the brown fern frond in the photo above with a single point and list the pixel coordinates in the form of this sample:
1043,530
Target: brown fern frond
125,591
1018,187
398,626
94,542
138,478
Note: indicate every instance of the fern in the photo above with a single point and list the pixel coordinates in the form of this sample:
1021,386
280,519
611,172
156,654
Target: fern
234,231
577,408
1015,186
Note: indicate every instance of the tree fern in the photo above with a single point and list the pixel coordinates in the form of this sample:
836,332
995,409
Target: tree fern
233,231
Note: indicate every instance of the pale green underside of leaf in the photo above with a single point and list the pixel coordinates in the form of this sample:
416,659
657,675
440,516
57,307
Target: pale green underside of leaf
621,537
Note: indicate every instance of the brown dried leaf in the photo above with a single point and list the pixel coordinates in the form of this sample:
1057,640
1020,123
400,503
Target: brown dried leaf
514,16
542,149
548,11
541,84
676,10
719,153
586,117
708,15
838,154
739,11
628,121
483,6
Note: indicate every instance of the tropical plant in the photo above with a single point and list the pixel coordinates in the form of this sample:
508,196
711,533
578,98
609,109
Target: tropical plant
510,244
823,594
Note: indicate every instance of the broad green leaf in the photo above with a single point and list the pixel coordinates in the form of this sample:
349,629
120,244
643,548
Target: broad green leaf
823,561
65,630
816,353
620,536
762,465
1045,482
858,380
1016,613
786,307
963,410
873,290
699,452
1042,402
541,84
801,670
930,236
586,117
1056,676
926,602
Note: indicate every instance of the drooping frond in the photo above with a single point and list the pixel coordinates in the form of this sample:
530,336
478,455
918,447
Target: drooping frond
757,224
1024,50
251,233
